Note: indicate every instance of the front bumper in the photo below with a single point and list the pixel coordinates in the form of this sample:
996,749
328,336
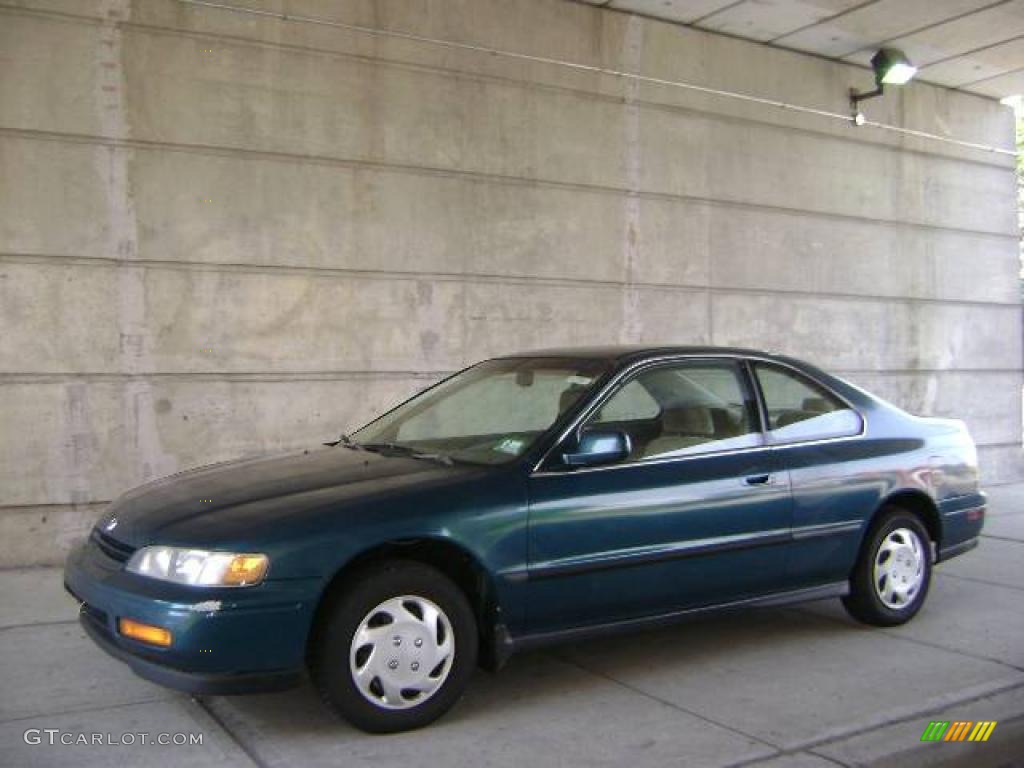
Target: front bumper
225,641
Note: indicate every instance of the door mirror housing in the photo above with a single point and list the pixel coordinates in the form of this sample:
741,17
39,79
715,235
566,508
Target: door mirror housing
598,447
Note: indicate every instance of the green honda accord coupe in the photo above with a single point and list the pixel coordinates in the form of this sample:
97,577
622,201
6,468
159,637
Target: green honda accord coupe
527,500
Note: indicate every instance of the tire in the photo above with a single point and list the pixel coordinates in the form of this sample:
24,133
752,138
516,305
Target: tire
893,572
384,680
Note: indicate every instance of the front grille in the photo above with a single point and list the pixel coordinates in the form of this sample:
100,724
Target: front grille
111,547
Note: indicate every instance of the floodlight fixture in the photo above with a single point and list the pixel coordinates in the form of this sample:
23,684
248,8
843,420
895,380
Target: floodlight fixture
892,67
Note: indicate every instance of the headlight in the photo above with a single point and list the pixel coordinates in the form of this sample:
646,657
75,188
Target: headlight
199,567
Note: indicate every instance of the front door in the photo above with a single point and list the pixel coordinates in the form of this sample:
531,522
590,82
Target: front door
817,439
695,514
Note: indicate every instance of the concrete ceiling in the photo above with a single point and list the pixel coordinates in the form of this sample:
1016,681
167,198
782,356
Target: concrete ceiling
973,45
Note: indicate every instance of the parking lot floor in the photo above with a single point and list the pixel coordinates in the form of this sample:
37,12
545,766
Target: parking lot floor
793,687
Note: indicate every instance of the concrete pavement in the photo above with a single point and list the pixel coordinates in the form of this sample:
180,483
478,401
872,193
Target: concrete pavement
800,687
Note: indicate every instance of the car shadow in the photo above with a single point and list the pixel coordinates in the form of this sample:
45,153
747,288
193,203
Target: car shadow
561,674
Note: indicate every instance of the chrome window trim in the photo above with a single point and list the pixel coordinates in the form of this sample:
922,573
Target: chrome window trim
606,393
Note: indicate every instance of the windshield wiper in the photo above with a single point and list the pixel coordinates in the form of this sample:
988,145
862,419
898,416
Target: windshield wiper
405,450
347,441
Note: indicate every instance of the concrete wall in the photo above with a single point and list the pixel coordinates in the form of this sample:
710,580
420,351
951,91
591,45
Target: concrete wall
224,233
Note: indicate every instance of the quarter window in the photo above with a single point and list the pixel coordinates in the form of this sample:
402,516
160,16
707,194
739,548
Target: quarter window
800,410
632,403
682,409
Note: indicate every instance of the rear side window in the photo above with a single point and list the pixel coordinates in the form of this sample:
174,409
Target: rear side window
798,409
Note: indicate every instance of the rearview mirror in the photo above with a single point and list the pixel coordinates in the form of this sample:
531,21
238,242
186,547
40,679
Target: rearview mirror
596,447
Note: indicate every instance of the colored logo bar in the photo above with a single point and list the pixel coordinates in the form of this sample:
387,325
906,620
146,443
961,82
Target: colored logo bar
958,730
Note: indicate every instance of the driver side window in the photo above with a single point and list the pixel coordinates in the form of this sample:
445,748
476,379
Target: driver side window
632,403
682,409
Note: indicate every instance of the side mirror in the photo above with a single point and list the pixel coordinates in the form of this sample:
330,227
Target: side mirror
598,447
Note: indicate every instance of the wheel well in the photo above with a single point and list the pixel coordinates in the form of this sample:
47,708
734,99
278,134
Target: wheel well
451,559
919,504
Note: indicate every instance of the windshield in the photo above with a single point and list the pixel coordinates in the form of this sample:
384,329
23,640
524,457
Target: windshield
488,414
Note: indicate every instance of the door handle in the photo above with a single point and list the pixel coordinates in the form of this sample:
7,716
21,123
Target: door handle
765,479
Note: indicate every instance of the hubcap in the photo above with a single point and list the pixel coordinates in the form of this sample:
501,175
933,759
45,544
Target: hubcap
402,652
899,568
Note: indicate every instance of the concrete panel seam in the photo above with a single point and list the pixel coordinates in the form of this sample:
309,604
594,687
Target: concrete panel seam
927,371
50,13
918,641
970,83
479,176
944,702
665,702
489,279
34,624
249,751
16,378
632,159
44,508
818,22
642,103
925,27
12,378
81,710
986,582
592,68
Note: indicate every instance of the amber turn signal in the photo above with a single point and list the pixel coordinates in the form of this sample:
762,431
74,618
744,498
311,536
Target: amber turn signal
245,569
144,633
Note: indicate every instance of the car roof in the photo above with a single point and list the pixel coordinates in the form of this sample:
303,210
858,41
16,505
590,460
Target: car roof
627,354
620,357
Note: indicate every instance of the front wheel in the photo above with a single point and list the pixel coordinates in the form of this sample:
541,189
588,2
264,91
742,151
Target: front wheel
891,579
398,648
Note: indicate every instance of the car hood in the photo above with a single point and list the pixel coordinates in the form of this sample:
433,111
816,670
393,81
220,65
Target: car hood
238,498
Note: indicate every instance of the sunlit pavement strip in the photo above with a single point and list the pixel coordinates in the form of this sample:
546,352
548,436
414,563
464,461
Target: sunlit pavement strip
781,688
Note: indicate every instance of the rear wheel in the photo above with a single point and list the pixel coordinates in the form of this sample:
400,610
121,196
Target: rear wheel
398,648
891,579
